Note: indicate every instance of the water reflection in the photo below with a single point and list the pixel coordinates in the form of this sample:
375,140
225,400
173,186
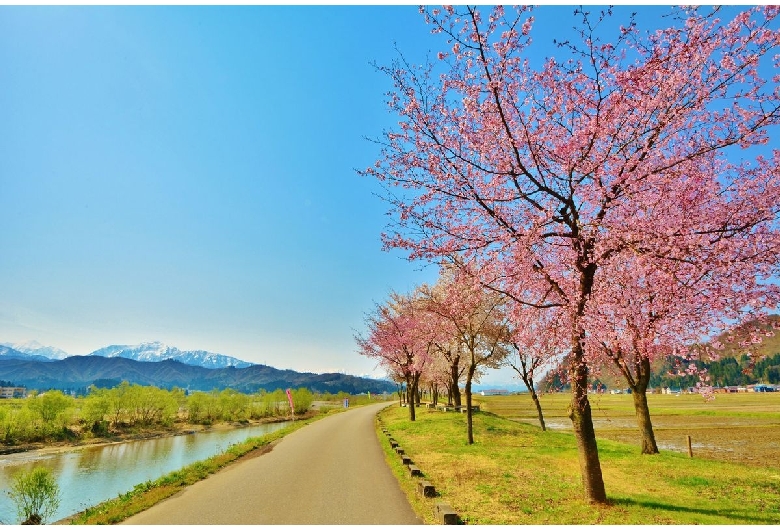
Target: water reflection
90,475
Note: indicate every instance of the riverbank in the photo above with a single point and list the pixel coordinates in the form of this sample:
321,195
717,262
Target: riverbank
178,429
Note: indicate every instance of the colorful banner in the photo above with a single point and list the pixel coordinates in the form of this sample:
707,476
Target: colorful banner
289,398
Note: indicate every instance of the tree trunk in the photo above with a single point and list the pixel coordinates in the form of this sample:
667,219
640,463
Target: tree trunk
649,446
639,393
454,389
579,410
538,406
33,519
469,420
412,396
582,421
529,384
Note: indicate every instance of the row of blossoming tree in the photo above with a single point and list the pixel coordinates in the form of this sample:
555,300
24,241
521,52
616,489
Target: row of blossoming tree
620,197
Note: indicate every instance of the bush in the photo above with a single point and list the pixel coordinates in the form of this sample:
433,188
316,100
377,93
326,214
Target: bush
36,494
302,399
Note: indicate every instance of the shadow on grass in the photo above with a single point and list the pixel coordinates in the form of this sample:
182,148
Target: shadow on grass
740,517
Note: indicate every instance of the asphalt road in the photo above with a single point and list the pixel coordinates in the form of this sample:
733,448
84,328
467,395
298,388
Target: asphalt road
330,472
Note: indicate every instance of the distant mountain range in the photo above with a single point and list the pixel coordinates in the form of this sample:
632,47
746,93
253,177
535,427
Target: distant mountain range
35,366
79,372
147,351
156,351
6,352
35,348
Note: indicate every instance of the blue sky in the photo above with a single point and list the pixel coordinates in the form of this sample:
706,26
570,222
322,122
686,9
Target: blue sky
187,175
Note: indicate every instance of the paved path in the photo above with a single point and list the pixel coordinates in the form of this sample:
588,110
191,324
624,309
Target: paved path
330,472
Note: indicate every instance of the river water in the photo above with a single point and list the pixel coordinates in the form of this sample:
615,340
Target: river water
90,475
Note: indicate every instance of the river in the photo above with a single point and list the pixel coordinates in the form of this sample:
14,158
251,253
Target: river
90,475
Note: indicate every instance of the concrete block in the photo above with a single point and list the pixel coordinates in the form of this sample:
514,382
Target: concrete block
445,514
405,460
426,489
393,443
414,471
399,450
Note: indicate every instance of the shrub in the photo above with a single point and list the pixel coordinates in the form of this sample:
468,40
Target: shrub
302,399
36,494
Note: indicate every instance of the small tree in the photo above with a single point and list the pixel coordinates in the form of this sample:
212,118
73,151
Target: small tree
49,405
402,336
537,341
36,494
475,317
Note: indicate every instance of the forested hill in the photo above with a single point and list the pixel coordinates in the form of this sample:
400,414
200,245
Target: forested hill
727,371
769,345
79,372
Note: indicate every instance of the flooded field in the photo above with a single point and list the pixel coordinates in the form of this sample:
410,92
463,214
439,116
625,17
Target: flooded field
743,428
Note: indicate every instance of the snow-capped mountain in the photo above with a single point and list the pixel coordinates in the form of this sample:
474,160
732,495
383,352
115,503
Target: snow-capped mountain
36,348
7,352
157,351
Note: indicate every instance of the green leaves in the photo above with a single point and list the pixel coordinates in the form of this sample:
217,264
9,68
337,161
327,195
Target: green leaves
36,494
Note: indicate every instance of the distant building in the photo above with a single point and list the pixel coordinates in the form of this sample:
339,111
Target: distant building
10,392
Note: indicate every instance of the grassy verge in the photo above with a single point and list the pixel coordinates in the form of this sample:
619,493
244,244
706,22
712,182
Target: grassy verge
517,474
149,493
421,506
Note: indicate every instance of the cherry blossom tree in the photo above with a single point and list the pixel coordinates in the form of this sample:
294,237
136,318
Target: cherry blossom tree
659,319
476,320
437,376
401,336
550,174
447,370
450,350
647,309
536,344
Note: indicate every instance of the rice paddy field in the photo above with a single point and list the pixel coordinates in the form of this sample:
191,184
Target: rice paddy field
742,428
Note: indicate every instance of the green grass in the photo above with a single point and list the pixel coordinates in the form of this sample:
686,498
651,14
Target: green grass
517,474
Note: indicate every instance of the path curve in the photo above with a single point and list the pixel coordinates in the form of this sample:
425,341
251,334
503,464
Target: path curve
332,471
